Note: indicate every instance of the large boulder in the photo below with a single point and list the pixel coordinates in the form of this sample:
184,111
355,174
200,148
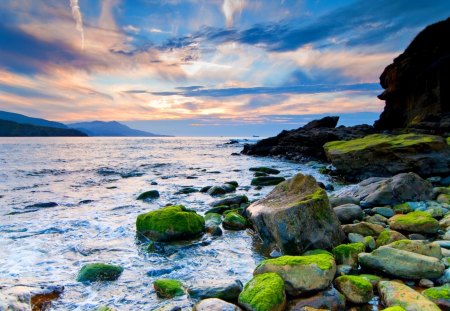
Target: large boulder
398,294
416,84
301,274
170,223
296,216
386,155
403,264
265,292
377,191
306,142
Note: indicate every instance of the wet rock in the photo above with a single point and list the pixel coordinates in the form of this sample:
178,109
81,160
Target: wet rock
217,191
380,155
296,216
373,279
168,288
418,222
96,272
24,298
264,292
42,205
267,181
301,274
214,304
235,200
384,211
419,247
148,195
234,221
377,219
347,254
425,283
263,169
205,189
212,223
397,294
395,190
355,288
187,190
330,300
389,236
348,213
363,228
170,223
403,264
439,295
222,289
338,201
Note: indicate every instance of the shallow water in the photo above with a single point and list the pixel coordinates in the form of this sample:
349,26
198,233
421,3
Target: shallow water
45,245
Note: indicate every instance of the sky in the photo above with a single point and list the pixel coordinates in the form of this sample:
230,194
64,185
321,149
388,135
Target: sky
203,67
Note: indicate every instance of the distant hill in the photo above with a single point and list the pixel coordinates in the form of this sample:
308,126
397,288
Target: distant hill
14,129
21,119
113,128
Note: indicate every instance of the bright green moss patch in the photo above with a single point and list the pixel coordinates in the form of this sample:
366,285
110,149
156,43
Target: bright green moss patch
168,288
359,282
95,272
234,221
415,218
380,140
347,250
395,308
436,293
317,252
263,293
373,279
403,208
148,195
323,261
387,237
170,223
415,221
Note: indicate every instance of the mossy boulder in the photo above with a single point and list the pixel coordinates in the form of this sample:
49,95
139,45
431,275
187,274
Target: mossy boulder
301,274
168,288
419,222
170,223
296,216
363,228
389,236
148,195
419,247
234,221
373,279
267,181
265,292
212,223
263,169
439,295
387,155
394,308
403,208
347,254
95,272
397,294
402,264
355,288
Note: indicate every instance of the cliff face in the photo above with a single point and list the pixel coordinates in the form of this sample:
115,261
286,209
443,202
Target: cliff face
417,84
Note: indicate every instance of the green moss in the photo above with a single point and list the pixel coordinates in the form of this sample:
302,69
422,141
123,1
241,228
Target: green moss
403,208
347,250
384,238
267,181
317,252
234,221
378,140
171,222
357,281
436,293
168,288
414,218
323,261
99,272
152,194
264,169
263,292
448,140
394,308
213,219
373,279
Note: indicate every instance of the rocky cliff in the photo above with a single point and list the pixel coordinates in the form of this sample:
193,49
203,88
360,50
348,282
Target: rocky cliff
417,84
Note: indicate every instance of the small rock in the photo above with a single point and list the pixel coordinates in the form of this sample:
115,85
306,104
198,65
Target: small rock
355,288
95,272
384,211
363,228
168,288
347,254
267,181
234,221
395,294
417,222
329,300
389,236
148,195
348,213
426,283
214,304
222,289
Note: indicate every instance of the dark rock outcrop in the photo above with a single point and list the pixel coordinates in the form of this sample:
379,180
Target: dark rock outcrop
417,84
306,143
13,129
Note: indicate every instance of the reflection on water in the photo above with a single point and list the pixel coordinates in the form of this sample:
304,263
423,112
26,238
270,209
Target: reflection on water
65,202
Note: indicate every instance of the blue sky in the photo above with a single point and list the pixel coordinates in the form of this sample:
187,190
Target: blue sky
193,67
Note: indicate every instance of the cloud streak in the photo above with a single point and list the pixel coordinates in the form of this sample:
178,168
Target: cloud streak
78,17
230,9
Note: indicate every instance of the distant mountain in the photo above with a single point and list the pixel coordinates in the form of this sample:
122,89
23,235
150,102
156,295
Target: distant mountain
113,128
21,119
14,129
